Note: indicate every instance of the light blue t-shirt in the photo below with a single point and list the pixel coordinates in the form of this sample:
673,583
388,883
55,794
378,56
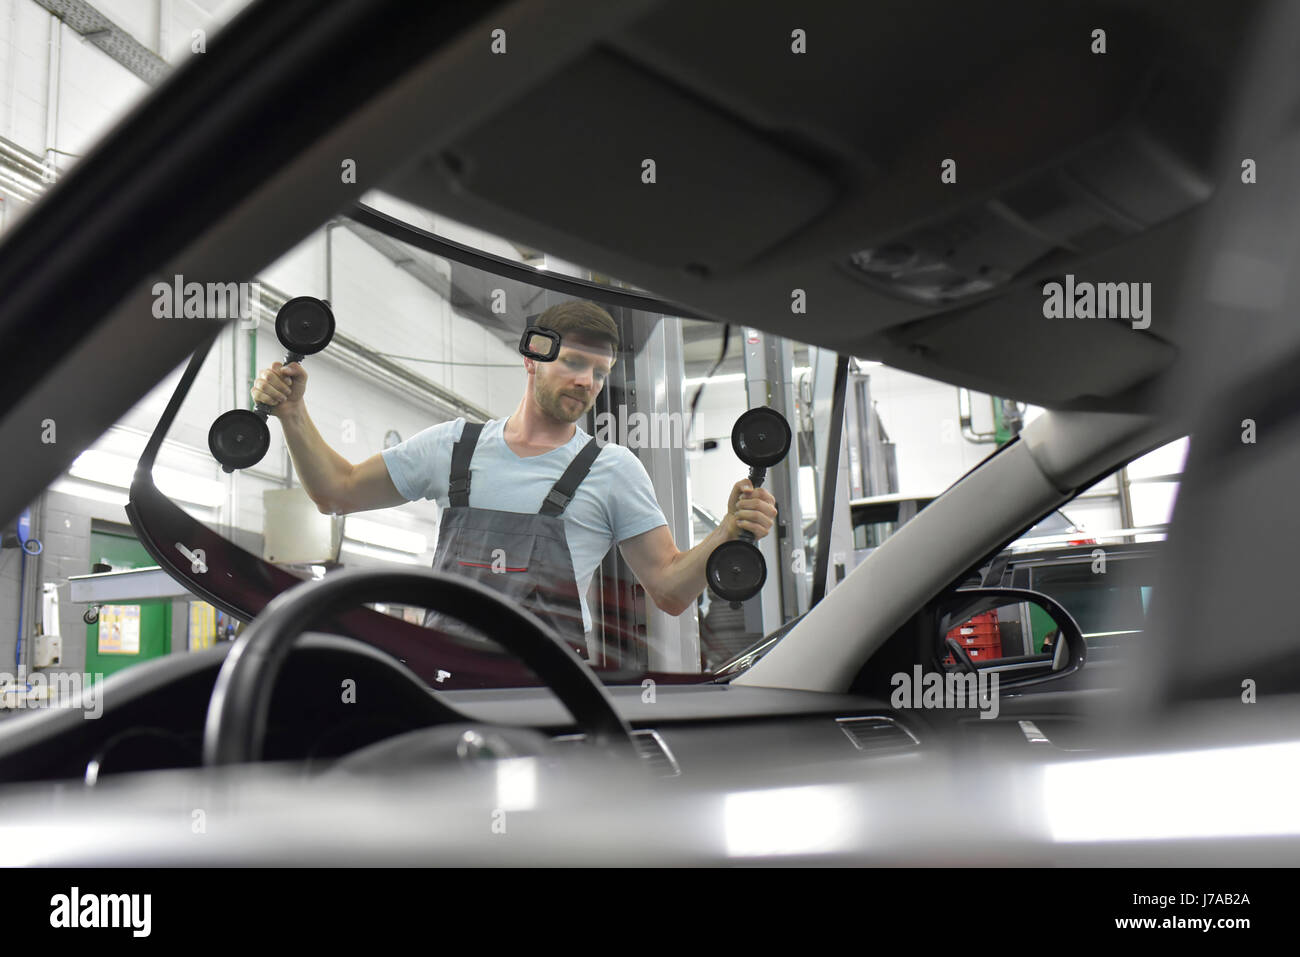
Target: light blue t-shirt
615,502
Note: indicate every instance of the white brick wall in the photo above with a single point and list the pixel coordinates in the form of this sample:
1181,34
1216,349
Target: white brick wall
375,303
25,77
95,92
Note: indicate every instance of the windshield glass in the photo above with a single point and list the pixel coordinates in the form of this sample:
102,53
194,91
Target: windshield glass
360,466
362,469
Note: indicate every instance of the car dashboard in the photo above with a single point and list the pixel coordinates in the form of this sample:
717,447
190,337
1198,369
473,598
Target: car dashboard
336,696
727,774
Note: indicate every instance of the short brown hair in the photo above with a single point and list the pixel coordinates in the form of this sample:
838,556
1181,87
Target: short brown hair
582,319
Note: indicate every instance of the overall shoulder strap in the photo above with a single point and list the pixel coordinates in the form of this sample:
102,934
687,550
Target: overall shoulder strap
562,492
461,453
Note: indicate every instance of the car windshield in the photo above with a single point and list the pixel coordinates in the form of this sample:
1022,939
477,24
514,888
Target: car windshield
423,348
363,473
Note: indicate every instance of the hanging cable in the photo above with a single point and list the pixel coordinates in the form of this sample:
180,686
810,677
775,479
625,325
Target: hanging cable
449,362
709,444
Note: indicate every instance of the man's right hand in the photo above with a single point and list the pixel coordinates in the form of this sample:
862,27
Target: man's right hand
281,387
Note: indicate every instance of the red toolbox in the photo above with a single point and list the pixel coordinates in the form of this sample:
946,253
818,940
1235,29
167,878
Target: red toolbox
979,636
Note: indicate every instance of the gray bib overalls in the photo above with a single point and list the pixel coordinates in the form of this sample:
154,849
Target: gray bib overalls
522,555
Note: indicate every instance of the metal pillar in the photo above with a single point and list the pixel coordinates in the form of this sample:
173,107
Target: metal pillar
769,380
879,472
840,534
673,641
1124,494
854,441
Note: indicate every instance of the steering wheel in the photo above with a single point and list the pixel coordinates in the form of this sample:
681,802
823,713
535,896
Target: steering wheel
241,699
960,656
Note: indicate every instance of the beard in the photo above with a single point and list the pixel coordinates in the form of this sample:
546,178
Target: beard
554,403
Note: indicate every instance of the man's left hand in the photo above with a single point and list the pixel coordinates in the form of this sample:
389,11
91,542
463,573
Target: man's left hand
750,509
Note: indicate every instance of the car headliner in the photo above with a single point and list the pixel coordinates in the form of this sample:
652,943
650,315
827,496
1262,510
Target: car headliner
839,150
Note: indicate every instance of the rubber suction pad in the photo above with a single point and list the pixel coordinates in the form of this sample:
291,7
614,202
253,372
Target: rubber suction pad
304,325
736,570
761,437
238,439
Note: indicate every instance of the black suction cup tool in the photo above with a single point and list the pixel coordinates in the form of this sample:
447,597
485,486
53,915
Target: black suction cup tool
304,326
761,437
736,570
239,438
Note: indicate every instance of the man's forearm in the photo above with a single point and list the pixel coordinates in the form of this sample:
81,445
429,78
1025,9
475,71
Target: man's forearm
322,471
685,578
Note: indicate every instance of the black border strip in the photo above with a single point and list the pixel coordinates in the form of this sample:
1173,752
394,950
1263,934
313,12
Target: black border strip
830,481
488,262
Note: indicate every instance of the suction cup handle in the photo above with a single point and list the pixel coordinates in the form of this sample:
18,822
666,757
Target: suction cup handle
756,476
261,408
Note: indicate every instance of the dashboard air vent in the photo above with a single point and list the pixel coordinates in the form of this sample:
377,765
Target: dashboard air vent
653,751
877,734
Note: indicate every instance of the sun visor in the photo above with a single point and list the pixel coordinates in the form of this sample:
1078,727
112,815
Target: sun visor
1052,362
609,152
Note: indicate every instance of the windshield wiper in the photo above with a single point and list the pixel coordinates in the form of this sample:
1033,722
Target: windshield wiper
747,658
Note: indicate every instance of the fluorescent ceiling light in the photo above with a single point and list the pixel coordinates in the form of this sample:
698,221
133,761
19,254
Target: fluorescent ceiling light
109,469
385,536
383,554
67,486
726,377
795,373
189,488
103,467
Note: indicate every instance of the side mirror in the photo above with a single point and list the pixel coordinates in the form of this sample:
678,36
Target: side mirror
540,344
1023,636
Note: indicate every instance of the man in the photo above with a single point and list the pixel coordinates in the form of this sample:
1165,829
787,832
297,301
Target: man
531,503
